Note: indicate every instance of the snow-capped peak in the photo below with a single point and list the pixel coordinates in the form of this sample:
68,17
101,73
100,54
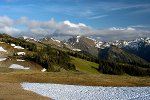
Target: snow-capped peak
90,38
25,37
28,38
55,40
147,40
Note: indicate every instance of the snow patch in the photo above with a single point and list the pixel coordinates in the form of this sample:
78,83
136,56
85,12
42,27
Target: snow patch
65,43
13,45
98,44
2,49
25,37
76,49
2,59
91,39
16,66
20,60
28,38
73,92
18,47
78,37
147,40
43,70
20,53
55,40
2,42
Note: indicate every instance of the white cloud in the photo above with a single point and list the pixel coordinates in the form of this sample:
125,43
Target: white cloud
66,28
122,29
6,25
9,30
131,29
6,21
52,27
116,29
138,26
74,25
115,33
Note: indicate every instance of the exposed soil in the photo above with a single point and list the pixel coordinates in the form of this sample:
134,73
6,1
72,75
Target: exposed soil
14,91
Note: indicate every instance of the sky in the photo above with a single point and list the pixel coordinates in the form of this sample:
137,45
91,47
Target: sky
101,19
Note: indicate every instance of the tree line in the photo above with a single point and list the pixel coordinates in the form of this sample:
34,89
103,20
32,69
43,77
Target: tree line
107,67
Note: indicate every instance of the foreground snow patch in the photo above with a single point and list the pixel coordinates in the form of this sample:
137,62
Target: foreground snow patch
2,59
2,49
73,92
16,66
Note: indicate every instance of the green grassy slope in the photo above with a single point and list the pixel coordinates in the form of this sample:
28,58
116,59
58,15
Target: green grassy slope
85,66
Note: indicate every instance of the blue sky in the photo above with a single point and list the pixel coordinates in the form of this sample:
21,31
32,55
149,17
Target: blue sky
97,14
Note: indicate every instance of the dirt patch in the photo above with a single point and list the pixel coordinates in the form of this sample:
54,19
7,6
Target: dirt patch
14,91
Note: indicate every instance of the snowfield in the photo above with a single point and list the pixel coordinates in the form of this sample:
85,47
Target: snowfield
73,92
2,49
16,66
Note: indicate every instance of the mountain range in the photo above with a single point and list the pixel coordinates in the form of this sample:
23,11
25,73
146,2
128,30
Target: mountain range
117,50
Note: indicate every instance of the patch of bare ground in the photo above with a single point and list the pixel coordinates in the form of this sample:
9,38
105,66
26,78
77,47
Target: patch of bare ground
14,91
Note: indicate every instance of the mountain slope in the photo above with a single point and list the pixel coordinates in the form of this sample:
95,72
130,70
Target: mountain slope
85,44
85,66
115,54
140,47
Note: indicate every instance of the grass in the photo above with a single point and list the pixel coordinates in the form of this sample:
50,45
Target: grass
74,78
85,66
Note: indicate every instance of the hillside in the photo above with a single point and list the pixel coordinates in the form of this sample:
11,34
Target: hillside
85,66
54,59
115,54
49,56
85,44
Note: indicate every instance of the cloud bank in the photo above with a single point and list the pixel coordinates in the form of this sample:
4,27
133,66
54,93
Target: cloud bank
25,26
